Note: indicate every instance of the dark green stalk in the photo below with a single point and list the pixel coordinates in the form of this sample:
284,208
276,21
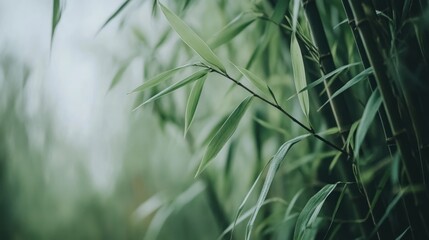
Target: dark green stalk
400,132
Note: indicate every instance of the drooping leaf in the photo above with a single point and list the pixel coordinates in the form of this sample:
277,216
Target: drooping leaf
279,11
361,76
192,39
158,79
193,99
255,80
176,85
368,115
231,30
224,133
299,75
311,210
57,9
114,14
274,166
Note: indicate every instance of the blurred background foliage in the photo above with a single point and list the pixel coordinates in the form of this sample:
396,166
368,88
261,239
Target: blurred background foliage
76,162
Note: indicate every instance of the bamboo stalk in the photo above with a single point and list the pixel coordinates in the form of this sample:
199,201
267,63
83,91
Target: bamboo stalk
400,132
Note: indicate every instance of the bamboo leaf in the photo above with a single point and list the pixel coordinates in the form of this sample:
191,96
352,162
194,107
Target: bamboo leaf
223,134
57,9
193,99
299,75
295,15
361,76
255,80
232,29
311,210
114,14
176,85
368,115
158,79
192,39
118,76
274,166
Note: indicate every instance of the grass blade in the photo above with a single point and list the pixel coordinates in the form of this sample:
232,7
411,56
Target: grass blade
175,86
118,76
193,99
123,5
274,166
223,134
311,210
231,30
299,75
158,79
361,76
368,115
192,39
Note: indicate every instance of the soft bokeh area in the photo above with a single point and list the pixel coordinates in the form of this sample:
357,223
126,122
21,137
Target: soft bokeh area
76,162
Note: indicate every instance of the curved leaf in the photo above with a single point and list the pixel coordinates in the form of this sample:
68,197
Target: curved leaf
121,7
368,115
192,103
299,75
224,133
177,85
157,79
192,39
311,210
57,9
274,166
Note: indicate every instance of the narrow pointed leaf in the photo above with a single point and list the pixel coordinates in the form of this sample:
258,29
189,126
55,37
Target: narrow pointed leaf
157,79
299,75
56,16
368,115
176,85
231,30
274,166
114,14
311,210
192,39
295,11
193,99
118,76
224,133
361,76
255,80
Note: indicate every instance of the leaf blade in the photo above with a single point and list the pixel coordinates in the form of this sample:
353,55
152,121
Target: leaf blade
299,75
158,79
193,99
224,133
191,38
176,86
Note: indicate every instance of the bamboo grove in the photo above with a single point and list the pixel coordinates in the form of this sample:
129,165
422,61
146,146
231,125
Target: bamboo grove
330,96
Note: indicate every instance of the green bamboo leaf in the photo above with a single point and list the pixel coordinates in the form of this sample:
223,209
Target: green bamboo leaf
114,14
299,75
274,166
57,9
295,11
118,75
255,80
176,85
332,74
223,134
367,118
192,39
311,210
232,29
193,100
361,76
158,79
